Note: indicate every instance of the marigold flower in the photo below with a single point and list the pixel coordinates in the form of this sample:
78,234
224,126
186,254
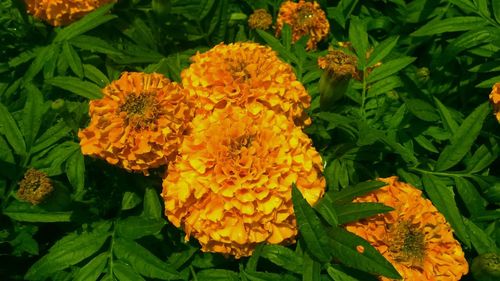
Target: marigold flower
414,237
62,12
230,186
339,63
246,73
305,18
260,19
34,187
495,100
139,123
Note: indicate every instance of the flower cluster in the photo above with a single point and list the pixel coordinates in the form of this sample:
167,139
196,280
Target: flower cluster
495,100
62,12
231,185
304,18
414,237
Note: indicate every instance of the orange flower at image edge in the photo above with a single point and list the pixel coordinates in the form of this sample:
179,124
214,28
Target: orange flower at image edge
495,100
304,18
230,186
414,237
139,123
241,74
62,12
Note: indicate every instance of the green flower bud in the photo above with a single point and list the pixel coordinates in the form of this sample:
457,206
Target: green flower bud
57,104
486,267
332,88
161,7
423,74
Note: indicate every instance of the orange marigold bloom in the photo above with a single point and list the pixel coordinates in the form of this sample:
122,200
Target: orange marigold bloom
246,73
62,12
260,19
139,123
305,18
495,100
230,186
414,237
339,64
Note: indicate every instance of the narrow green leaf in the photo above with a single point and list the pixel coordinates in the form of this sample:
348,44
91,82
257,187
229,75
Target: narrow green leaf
311,270
481,241
385,85
28,213
426,143
10,130
52,163
422,110
130,200
350,212
32,114
93,269
359,38
94,44
482,158
40,60
449,25
51,136
217,275
283,257
338,275
343,246
6,152
382,50
443,198
463,138
82,88
448,121
325,207
346,195
276,45
88,22
495,5
152,205
73,59
137,226
143,261
75,171
389,68
95,75
125,272
310,227
488,83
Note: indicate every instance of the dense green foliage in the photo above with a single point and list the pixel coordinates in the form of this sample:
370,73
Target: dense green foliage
423,115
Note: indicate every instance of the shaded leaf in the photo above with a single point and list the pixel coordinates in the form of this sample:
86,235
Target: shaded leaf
82,88
10,130
137,226
449,25
283,257
32,114
93,269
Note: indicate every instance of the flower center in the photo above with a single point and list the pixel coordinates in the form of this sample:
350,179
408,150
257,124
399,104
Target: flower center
238,143
141,110
407,244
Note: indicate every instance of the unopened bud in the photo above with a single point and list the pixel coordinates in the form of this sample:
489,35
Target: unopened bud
57,104
486,267
423,74
34,187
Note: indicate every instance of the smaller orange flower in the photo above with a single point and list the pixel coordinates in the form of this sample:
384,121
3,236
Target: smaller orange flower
495,100
414,237
139,123
260,19
305,18
34,187
340,64
62,12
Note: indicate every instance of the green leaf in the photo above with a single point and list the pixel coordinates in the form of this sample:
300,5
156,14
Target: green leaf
325,207
88,22
137,226
463,139
32,114
95,75
495,5
75,171
350,212
482,158
52,162
481,241
346,195
276,45
422,110
343,246
82,88
283,257
488,83
385,85
443,198
125,272
152,205
449,25
217,275
51,136
10,130
143,261
130,200
73,59
69,251
26,212
310,227
338,275
40,60
94,44
311,270
448,121
359,38
389,68
382,50
93,269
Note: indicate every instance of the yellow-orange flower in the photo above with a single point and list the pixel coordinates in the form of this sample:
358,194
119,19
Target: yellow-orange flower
240,74
495,100
339,64
414,237
260,19
139,123
304,18
34,187
230,186
62,12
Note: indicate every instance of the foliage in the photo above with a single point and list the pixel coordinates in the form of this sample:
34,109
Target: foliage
422,115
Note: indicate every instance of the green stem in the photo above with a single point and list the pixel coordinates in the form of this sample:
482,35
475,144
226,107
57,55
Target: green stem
449,174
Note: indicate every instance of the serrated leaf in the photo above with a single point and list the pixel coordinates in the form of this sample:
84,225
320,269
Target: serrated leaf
422,110
355,211
143,261
283,257
82,88
11,132
68,251
217,275
32,114
448,121
346,195
125,272
343,246
95,75
481,241
449,25
463,138
389,68
152,205
382,50
138,226
75,171
310,227
73,59
443,198
275,44
51,136
93,269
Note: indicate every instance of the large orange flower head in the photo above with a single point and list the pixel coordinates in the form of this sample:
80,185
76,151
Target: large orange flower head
414,237
305,18
495,100
62,12
230,186
139,123
241,74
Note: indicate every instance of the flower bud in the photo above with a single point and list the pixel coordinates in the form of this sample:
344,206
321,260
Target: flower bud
57,104
486,267
423,74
